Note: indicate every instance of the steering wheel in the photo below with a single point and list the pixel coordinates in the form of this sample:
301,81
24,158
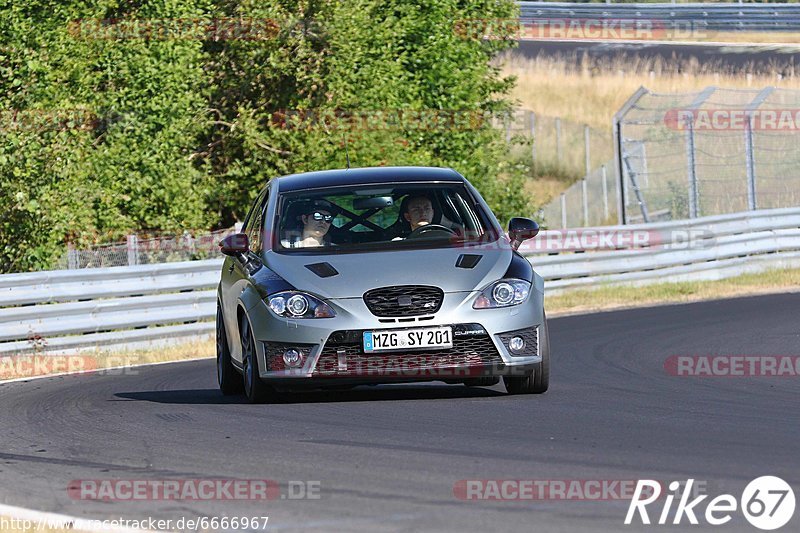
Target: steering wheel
430,228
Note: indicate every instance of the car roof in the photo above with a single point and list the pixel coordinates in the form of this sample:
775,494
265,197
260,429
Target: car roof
368,175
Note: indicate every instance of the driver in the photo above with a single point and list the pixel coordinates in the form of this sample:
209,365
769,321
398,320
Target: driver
418,211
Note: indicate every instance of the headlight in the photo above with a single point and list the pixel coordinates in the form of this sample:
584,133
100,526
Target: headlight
292,304
503,293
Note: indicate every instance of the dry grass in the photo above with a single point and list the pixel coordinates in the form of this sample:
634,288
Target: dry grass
772,37
590,93
544,188
622,297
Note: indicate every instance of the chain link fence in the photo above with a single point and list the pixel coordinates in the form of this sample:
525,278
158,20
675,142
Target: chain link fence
564,149
707,153
139,250
591,201
555,145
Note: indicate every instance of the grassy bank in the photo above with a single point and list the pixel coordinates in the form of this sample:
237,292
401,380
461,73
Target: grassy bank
621,297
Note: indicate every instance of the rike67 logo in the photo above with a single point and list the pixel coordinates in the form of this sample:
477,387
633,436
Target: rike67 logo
767,503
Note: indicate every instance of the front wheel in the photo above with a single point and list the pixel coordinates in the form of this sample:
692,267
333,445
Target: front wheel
256,390
538,380
229,380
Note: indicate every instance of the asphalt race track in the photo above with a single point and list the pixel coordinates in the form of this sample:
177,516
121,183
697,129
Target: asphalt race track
387,458
765,58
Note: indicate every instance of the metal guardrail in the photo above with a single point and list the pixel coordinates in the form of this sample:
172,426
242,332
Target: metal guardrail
117,307
682,250
64,310
709,16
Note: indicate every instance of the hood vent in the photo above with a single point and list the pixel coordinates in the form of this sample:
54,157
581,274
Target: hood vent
323,270
468,260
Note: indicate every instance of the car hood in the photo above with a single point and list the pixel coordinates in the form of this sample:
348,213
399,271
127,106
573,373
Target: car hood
360,272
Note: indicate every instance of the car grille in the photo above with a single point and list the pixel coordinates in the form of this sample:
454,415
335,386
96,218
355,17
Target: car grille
531,337
472,351
404,300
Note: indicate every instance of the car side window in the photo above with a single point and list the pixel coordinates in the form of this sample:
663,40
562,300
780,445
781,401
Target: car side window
255,222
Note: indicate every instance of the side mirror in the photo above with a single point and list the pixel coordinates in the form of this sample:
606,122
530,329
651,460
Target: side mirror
521,229
234,245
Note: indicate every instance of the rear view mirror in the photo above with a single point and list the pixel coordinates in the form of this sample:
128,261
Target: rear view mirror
377,202
521,229
234,245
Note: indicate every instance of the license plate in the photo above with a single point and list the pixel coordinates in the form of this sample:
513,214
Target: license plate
404,339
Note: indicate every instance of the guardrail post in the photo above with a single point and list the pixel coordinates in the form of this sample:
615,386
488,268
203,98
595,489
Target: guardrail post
507,121
586,149
585,201
132,242
563,211
619,165
533,137
558,140
750,164
749,154
691,169
691,163
604,177
72,257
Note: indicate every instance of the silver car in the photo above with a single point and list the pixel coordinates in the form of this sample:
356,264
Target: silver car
378,275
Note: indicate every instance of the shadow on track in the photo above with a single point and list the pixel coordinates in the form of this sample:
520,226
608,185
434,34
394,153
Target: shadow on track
358,394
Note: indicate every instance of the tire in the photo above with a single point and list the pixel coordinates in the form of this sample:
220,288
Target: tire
538,380
256,390
230,382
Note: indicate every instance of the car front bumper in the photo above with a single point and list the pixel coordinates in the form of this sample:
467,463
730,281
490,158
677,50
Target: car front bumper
333,354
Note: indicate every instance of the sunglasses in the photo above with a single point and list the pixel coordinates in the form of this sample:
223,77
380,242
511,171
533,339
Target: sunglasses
316,215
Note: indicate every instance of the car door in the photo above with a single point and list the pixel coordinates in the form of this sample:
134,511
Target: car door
236,272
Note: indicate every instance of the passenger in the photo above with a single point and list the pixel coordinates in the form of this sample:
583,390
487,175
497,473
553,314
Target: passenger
316,219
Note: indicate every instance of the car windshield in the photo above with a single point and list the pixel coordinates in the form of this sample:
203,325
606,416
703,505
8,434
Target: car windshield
380,217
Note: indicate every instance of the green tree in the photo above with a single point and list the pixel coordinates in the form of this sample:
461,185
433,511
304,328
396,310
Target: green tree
125,162
372,58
